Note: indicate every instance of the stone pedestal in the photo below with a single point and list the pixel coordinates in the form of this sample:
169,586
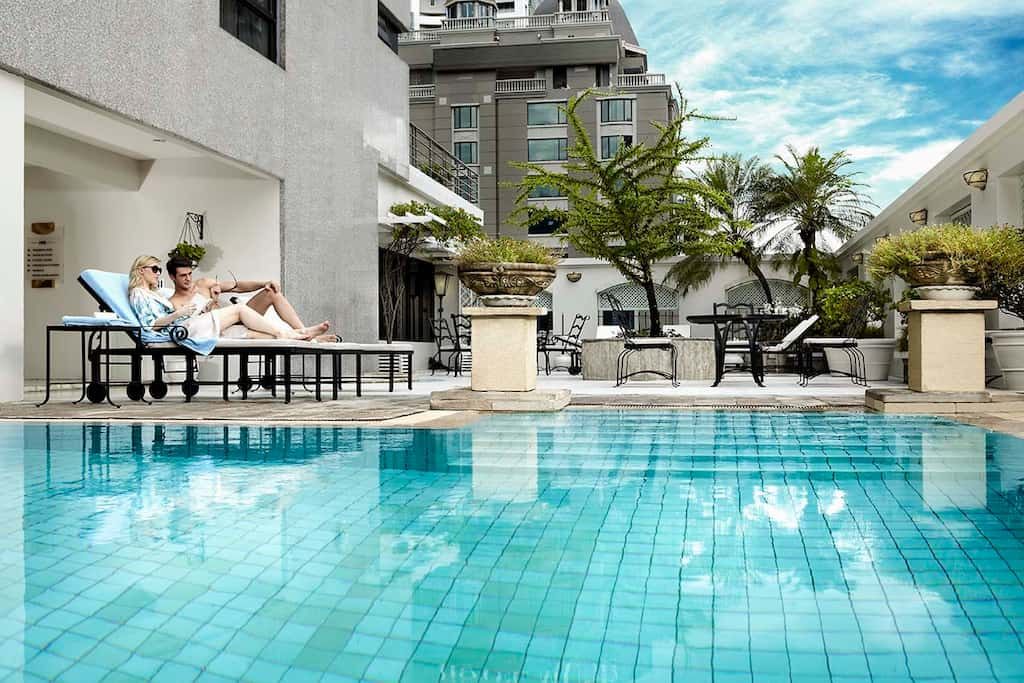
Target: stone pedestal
504,348
947,345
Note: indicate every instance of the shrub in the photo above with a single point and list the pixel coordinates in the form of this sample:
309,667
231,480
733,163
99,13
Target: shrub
853,309
980,255
505,250
193,252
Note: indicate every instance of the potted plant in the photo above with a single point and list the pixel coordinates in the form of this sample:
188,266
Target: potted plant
857,310
193,252
506,272
949,261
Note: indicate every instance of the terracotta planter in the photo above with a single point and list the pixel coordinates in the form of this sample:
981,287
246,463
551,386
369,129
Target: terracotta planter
506,284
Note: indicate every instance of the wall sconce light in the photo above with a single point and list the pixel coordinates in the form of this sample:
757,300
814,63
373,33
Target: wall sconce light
919,217
977,179
573,276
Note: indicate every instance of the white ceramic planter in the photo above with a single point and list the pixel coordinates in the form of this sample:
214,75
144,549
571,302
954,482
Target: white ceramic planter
946,292
877,358
1008,346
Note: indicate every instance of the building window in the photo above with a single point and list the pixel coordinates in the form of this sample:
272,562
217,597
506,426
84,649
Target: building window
560,78
551,149
962,216
254,22
616,111
506,7
602,75
566,5
544,226
388,28
546,192
466,152
611,144
545,114
465,118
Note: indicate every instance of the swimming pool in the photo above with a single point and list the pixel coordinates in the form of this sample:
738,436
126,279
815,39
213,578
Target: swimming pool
589,545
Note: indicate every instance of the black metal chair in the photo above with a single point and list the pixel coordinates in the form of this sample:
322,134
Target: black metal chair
446,346
791,345
847,343
633,345
565,344
462,332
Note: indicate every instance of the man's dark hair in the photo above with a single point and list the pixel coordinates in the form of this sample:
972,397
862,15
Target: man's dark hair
176,262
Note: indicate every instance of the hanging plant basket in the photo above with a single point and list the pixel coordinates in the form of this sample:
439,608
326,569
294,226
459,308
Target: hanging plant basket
188,245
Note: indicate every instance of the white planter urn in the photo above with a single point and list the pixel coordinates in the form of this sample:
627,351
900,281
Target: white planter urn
1008,345
877,358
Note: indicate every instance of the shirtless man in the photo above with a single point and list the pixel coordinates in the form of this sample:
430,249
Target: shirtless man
204,293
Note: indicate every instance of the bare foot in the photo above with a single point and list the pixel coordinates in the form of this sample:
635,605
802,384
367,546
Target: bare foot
326,339
315,330
293,335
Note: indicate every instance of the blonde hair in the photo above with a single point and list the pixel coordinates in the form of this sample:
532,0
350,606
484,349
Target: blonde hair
135,278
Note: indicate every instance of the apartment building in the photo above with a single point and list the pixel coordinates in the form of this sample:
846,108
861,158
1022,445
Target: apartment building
266,117
489,87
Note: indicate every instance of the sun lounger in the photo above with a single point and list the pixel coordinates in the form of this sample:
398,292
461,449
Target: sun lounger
110,290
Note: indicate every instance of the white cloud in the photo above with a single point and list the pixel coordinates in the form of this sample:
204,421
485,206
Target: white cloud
914,163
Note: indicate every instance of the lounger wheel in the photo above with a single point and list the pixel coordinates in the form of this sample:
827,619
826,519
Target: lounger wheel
573,370
267,382
96,393
244,383
190,387
158,389
136,391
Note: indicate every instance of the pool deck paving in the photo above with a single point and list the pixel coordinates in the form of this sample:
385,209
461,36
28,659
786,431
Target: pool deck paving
405,408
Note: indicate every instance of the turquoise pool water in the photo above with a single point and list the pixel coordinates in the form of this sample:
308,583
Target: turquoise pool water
586,546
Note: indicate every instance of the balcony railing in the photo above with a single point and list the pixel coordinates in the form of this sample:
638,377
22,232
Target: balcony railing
421,91
438,163
511,23
418,36
640,80
520,85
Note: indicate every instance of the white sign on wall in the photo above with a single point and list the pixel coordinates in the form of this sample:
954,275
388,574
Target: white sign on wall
44,255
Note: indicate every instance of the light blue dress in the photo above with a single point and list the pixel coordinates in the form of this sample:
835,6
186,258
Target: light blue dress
149,306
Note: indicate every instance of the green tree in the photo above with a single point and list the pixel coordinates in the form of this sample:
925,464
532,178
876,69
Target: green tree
816,197
456,225
740,183
632,210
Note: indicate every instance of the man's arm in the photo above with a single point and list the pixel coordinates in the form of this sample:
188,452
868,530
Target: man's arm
246,286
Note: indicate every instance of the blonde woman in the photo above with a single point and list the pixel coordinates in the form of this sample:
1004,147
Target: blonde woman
156,311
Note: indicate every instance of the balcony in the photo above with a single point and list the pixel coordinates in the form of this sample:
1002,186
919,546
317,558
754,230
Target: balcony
438,163
640,80
520,85
421,92
509,24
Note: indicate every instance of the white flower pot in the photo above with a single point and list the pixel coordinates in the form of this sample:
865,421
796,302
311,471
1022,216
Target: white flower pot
877,358
1008,346
946,292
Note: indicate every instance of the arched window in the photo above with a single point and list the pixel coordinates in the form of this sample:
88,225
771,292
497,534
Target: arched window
634,303
784,292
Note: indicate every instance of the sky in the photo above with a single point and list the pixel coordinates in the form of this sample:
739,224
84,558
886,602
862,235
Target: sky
896,83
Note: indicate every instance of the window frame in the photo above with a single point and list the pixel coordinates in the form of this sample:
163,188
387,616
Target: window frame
622,140
560,117
605,110
546,196
474,145
562,149
475,117
230,9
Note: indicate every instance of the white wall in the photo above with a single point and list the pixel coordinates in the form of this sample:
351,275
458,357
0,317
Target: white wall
12,255
106,228
570,298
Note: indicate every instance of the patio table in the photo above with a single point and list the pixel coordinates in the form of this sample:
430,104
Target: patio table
752,322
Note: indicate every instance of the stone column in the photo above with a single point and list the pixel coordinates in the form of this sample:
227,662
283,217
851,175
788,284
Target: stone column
12,236
947,344
504,348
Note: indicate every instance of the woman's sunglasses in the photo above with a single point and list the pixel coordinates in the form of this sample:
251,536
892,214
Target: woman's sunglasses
155,269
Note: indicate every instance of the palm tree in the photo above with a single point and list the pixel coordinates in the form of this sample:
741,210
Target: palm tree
817,198
740,183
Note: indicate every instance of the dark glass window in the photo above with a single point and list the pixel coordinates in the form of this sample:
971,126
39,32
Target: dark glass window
616,111
602,76
466,152
417,308
545,192
551,149
544,226
610,144
560,78
544,114
388,28
465,117
254,22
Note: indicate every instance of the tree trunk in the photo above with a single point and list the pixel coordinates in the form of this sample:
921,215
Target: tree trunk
813,276
652,302
756,270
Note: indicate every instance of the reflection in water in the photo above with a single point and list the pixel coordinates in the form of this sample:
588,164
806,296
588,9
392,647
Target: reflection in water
954,470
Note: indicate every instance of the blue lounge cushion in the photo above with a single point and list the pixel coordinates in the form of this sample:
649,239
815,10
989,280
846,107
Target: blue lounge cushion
112,290
73,320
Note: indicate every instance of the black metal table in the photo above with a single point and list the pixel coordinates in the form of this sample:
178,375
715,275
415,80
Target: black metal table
751,322
93,331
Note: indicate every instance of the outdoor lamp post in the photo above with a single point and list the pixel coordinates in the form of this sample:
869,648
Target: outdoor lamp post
441,279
